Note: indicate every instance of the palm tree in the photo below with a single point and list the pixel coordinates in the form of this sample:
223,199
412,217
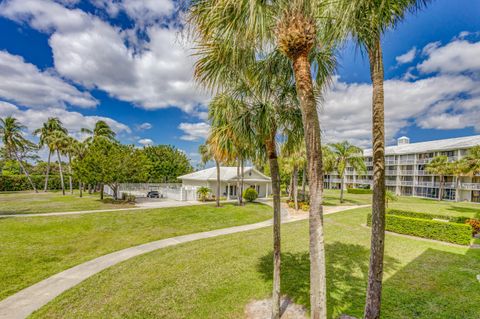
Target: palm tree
458,169
101,130
367,21
79,151
45,132
69,151
231,34
472,160
207,153
347,154
439,166
59,142
14,142
295,157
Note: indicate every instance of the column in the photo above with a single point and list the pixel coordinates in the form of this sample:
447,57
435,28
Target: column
228,191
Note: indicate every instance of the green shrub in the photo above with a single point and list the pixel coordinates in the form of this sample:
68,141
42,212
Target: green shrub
444,231
359,191
407,213
203,192
291,204
305,207
10,183
129,198
250,194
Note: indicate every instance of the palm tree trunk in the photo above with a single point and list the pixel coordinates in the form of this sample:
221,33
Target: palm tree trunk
239,197
61,172
295,186
457,188
70,173
311,124
275,172
217,164
304,182
242,173
48,170
342,186
442,186
375,274
25,172
290,188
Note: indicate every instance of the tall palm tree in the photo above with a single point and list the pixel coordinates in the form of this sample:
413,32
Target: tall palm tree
458,169
367,21
439,166
294,154
59,142
472,160
347,154
45,133
14,142
235,33
212,151
69,151
79,152
101,130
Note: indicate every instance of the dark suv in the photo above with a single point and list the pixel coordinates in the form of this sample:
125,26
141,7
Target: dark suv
153,194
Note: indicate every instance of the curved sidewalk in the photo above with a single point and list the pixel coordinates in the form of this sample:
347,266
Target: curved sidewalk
26,301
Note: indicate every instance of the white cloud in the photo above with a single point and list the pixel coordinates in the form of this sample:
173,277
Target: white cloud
25,84
455,57
155,73
73,121
346,113
194,131
144,126
145,141
407,57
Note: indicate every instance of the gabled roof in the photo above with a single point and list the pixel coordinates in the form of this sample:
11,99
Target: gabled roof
227,173
430,146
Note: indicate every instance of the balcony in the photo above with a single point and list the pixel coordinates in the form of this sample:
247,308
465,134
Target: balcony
364,181
390,172
406,161
471,186
424,160
423,173
335,180
390,183
406,183
390,162
406,172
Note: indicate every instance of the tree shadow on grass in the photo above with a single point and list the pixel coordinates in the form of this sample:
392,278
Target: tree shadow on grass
460,209
347,273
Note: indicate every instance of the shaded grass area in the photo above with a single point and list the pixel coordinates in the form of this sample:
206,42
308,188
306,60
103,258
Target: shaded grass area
31,203
33,248
216,278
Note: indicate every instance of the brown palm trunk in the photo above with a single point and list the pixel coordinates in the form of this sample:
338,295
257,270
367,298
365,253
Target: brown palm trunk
375,274
295,186
61,172
275,172
25,172
311,124
342,186
70,173
48,170
239,196
457,188
290,188
442,187
217,164
304,182
242,173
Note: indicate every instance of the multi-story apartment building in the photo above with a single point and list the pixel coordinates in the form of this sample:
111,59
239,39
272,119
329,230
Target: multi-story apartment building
405,172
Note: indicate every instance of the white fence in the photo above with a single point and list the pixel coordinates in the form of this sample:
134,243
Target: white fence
170,191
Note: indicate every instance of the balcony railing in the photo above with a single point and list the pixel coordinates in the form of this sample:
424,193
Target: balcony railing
406,172
335,180
423,173
424,160
472,186
406,183
390,183
391,172
390,162
364,181
406,161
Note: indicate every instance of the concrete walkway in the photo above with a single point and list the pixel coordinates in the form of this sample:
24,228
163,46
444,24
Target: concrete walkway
26,301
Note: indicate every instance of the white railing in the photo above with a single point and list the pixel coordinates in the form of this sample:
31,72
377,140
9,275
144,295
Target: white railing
363,181
424,160
390,183
335,180
406,183
473,186
423,173
406,161
391,172
406,172
390,162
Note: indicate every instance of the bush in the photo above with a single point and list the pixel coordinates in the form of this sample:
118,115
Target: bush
10,183
407,213
475,223
444,231
305,207
203,192
250,194
359,191
291,204
129,198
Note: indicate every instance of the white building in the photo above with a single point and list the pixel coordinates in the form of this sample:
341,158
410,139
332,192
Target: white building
405,169
228,181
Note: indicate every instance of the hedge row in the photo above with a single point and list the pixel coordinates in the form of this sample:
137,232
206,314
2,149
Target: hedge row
407,213
359,191
444,231
21,183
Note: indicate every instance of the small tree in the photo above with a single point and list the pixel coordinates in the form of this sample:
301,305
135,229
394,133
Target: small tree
250,194
203,193
439,166
390,197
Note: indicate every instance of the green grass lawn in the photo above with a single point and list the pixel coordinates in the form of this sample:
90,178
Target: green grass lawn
216,278
33,248
437,207
332,198
30,203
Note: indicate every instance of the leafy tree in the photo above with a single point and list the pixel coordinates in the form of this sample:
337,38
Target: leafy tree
439,166
347,154
210,151
46,132
472,160
15,143
458,169
250,194
166,163
101,131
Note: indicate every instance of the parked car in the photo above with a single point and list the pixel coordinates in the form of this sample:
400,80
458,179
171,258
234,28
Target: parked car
153,194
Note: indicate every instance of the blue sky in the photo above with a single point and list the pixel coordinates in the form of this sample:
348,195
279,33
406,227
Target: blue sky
125,62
